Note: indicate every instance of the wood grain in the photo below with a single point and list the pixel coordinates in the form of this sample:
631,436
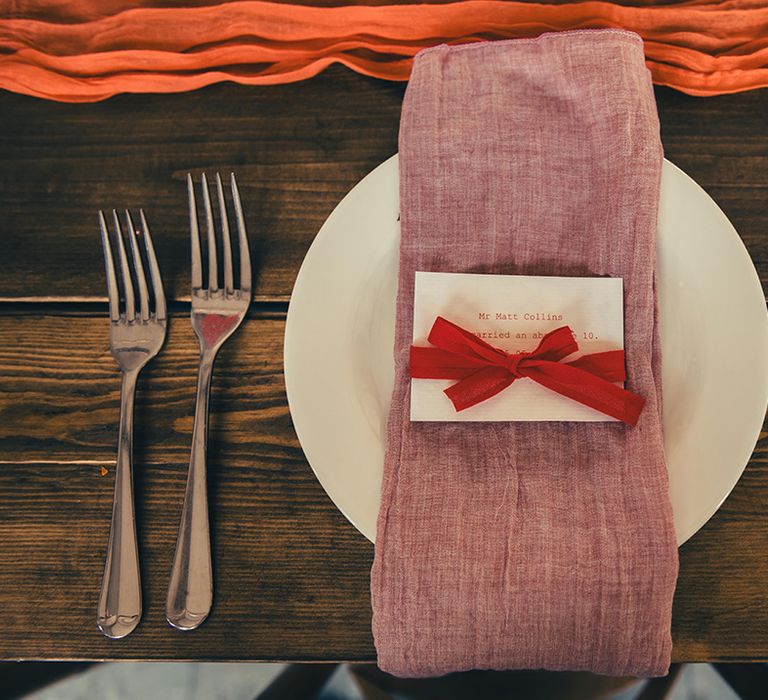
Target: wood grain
292,575
297,149
70,388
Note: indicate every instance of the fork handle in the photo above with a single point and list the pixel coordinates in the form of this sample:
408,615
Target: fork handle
190,591
119,608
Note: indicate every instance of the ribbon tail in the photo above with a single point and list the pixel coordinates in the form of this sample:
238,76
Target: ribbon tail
588,389
606,365
478,386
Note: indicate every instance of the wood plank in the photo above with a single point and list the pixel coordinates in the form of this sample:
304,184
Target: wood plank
292,575
720,613
59,393
297,150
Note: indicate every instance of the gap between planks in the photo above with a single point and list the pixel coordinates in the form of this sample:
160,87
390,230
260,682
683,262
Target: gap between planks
275,308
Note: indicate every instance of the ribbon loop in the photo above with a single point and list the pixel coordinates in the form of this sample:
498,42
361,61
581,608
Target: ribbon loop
483,370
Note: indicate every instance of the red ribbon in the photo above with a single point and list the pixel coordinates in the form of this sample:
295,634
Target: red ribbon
483,370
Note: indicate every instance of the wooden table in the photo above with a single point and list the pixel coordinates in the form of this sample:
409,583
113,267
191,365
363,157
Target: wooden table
291,572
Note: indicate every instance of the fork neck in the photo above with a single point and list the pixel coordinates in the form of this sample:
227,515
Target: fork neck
127,392
205,371
125,435
208,356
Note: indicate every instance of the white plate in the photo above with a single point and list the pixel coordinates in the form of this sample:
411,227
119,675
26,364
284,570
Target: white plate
714,330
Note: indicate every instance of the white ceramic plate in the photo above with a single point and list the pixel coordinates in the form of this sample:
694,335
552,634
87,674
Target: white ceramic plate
714,330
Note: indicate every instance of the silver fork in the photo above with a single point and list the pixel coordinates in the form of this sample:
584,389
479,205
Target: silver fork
135,337
217,310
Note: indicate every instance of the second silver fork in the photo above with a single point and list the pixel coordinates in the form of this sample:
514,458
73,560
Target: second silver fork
217,310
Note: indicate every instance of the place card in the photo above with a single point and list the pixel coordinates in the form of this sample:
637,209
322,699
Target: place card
513,313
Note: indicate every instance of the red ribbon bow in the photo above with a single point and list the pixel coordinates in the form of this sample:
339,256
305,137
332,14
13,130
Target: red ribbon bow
483,370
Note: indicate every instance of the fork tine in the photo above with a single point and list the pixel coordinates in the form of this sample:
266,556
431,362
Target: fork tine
139,268
112,292
154,270
242,237
229,283
197,264
130,305
212,261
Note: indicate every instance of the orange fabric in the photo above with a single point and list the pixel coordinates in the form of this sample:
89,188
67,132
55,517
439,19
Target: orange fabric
83,51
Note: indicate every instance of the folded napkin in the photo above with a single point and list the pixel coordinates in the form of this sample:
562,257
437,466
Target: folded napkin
83,51
529,545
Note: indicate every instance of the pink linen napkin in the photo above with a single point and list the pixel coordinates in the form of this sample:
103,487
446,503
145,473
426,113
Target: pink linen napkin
529,545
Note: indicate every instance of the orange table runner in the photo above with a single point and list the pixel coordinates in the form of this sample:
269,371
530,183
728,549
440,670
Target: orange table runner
84,51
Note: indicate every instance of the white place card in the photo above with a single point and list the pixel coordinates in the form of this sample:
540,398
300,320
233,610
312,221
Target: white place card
513,312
